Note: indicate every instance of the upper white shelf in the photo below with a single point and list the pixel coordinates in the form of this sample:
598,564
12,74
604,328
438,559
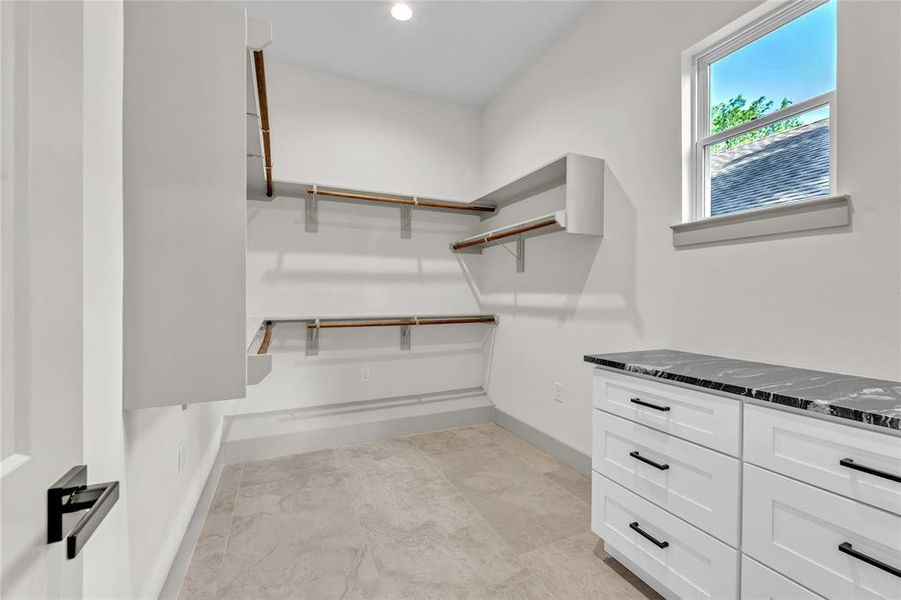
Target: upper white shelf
583,212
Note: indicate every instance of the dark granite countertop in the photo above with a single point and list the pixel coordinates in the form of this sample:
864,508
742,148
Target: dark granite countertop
873,401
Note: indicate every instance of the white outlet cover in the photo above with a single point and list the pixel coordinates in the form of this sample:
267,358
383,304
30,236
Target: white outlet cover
365,374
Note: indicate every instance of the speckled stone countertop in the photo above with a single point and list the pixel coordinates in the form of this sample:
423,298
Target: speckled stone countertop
873,401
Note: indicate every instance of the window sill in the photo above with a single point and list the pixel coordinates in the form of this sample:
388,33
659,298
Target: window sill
804,215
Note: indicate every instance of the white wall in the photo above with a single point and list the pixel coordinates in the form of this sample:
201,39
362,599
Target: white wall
332,130
130,554
611,88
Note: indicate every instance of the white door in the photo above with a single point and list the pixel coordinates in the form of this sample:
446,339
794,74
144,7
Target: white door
42,287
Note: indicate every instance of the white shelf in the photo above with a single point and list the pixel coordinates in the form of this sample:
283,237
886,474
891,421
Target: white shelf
583,212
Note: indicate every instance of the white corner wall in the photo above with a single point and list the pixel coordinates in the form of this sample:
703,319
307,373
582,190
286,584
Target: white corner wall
331,130
611,88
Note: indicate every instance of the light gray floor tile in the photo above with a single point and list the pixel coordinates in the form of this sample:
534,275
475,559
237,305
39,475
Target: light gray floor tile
519,448
524,507
440,442
473,513
288,540
577,568
573,482
304,466
438,549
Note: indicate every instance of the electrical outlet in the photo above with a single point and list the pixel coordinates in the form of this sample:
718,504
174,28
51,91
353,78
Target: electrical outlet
181,458
366,375
558,392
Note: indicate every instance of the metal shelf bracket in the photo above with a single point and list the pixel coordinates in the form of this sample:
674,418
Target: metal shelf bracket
313,339
405,337
406,222
311,211
519,254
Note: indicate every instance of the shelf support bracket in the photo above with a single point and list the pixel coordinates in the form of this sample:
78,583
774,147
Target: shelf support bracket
311,212
406,222
313,339
520,254
404,337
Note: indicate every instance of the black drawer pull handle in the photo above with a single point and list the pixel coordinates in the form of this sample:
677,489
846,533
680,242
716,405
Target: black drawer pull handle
849,462
648,404
648,536
656,465
848,549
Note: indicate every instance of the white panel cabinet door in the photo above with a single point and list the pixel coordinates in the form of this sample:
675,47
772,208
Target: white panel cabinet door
685,560
837,547
185,202
860,464
706,419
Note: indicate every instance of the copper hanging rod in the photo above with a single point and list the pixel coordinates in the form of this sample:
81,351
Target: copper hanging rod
267,339
402,201
260,68
499,235
401,322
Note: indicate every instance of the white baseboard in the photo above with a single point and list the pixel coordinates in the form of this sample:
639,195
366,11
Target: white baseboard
258,436
179,566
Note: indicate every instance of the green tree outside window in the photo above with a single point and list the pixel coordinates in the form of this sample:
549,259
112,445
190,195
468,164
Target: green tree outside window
736,111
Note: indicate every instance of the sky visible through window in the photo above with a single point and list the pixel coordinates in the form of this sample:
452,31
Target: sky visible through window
796,61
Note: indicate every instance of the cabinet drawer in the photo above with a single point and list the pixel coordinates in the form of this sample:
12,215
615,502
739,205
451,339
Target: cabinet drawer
697,484
813,450
705,419
691,565
761,583
798,529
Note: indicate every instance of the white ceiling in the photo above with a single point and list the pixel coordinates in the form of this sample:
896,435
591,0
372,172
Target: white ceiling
465,51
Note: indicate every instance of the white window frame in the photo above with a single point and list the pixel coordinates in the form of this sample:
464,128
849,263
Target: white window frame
696,73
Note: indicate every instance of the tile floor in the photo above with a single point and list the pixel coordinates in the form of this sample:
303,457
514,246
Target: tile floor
472,513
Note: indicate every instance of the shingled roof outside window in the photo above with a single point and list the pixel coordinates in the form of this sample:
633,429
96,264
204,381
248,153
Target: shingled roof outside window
785,167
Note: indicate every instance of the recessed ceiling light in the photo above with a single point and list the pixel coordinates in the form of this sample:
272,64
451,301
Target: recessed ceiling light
401,11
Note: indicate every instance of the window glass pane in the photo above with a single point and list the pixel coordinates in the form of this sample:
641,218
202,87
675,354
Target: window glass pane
791,64
782,162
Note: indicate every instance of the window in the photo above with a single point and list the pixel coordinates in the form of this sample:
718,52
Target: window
763,98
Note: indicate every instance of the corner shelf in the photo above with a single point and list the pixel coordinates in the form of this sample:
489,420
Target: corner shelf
583,212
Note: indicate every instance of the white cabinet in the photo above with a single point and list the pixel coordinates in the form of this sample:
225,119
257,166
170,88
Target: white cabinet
683,559
822,540
692,482
820,500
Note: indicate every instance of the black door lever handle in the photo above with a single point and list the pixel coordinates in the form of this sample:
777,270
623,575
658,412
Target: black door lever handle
72,494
